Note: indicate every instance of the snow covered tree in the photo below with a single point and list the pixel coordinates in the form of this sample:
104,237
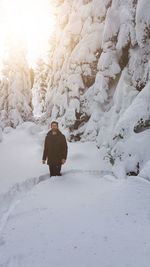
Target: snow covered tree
74,60
15,88
40,87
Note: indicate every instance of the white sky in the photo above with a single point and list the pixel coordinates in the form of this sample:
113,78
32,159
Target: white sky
30,20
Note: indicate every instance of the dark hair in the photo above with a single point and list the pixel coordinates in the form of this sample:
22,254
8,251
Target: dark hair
54,122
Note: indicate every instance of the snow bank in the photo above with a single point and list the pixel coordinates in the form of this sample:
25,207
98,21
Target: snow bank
23,161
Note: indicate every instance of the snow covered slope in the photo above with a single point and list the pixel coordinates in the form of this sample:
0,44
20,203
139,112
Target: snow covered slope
85,218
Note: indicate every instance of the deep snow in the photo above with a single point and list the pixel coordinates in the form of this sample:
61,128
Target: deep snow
84,218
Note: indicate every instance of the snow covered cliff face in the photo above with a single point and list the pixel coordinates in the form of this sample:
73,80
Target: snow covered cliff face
99,77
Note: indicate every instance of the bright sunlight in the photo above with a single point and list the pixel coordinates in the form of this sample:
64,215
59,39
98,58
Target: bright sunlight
29,20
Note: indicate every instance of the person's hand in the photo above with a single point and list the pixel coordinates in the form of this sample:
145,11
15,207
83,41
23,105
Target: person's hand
63,161
43,161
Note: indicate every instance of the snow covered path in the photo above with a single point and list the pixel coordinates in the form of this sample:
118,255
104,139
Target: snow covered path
82,219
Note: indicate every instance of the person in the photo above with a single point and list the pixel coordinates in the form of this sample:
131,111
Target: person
55,150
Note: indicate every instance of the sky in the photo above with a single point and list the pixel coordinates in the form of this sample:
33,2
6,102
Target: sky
31,21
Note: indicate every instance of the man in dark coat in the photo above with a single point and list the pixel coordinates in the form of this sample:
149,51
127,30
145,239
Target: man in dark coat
55,150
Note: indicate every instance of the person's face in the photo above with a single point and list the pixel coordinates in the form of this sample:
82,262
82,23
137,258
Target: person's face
54,127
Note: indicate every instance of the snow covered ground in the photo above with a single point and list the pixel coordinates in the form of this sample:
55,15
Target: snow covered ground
86,218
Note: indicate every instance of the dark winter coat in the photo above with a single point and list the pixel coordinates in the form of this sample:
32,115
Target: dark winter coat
55,148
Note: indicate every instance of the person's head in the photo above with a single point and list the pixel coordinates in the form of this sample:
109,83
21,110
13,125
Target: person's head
54,126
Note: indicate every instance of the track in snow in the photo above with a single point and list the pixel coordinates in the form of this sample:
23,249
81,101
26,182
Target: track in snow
10,199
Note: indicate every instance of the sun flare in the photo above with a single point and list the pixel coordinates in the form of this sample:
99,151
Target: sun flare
28,20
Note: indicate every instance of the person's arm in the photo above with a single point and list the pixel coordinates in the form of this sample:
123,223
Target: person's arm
45,152
64,148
